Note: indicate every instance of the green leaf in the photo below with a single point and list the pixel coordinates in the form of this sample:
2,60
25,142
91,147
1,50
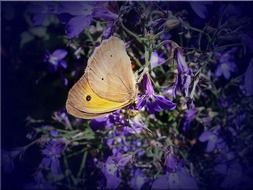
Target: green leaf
26,37
39,31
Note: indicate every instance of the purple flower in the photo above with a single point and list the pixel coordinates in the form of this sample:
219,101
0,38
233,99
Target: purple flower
117,118
226,64
42,11
156,60
247,41
224,102
138,179
39,182
62,117
110,172
171,161
100,123
121,147
103,13
82,14
183,79
108,30
136,125
211,140
123,159
188,118
162,182
154,103
248,80
234,176
8,158
200,9
165,36
181,180
54,133
52,152
55,59
221,168
77,24
239,120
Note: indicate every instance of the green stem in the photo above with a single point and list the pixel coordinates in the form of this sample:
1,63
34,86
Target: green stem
82,166
139,39
137,61
194,87
74,153
68,172
196,30
32,143
145,68
226,46
162,43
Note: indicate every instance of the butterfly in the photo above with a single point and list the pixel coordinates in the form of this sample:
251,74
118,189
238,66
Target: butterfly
108,83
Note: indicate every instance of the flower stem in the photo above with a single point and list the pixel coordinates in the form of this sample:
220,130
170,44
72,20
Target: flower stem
82,166
139,39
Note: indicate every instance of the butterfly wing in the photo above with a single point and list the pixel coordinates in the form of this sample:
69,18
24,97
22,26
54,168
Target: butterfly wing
109,72
80,114
83,102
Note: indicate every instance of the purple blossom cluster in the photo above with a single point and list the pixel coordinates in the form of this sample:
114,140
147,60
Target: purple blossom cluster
191,124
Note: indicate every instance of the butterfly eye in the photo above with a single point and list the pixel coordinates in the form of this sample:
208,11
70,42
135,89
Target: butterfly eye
88,98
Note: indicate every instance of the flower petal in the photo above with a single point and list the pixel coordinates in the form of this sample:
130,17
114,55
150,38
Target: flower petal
171,161
153,107
248,79
205,136
38,19
138,180
162,182
165,103
55,166
98,123
77,24
221,168
186,180
147,85
104,14
60,54
112,182
154,59
125,159
211,143
76,8
200,9
108,30
141,101
226,74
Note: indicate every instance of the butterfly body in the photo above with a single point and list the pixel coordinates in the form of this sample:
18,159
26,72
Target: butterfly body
108,83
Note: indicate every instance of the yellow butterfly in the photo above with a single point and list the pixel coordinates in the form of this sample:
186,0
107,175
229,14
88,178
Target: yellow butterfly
108,82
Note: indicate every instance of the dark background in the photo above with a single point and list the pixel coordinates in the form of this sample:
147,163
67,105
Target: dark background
21,96
23,92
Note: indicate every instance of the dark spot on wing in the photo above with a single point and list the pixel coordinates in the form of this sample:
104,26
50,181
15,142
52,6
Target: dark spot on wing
88,98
